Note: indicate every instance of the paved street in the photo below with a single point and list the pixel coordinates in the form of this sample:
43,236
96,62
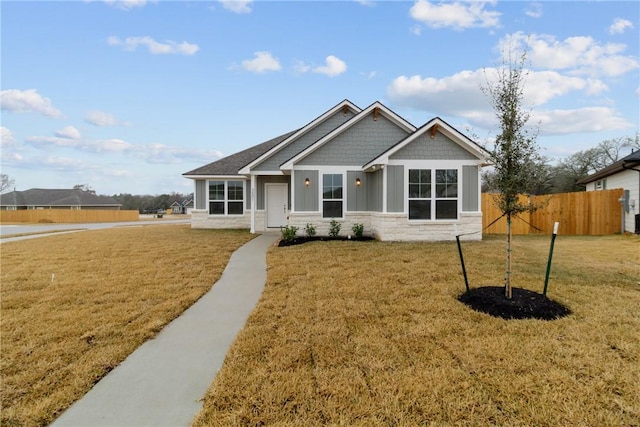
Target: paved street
45,229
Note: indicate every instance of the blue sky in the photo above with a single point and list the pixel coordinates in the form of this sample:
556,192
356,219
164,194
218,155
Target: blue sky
125,96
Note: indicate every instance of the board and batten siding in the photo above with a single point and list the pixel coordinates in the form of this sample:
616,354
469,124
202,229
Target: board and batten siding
374,191
395,188
270,179
470,193
356,196
306,198
201,194
357,145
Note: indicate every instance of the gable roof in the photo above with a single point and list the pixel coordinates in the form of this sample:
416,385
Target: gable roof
232,164
346,104
375,109
55,197
632,161
435,125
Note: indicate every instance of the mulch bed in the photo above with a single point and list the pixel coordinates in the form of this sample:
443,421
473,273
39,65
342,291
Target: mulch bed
524,304
305,239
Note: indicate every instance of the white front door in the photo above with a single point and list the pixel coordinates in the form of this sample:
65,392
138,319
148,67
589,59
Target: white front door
276,205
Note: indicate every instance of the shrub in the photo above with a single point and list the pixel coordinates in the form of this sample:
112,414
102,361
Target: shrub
358,230
288,233
334,228
310,230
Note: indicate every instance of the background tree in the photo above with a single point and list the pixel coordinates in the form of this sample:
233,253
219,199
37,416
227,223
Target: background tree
515,152
6,183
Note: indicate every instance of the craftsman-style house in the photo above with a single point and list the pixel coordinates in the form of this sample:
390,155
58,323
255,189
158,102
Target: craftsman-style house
352,165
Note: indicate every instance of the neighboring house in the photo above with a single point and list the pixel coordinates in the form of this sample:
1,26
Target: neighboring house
354,165
184,207
41,198
625,174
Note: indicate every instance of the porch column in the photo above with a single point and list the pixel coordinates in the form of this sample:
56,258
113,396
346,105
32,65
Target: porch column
253,204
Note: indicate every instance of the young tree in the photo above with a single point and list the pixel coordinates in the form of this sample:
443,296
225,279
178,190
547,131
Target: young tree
515,151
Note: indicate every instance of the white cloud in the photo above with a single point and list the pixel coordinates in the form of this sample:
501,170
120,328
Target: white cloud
416,30
92,146
619,26
460,95
237,6
68,132
369,3
262,62
100,118
126,4
163,154
6,137
154,47
369,75
300,67
27,101
589,119
334,67
458,15
534,10
577,55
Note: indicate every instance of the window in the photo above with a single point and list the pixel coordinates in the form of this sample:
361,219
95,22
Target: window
433,194
332,196
601,184
446,194
419,194
226,197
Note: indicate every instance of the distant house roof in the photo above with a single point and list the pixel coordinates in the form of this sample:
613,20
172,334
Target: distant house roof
230,165
43,197
632,161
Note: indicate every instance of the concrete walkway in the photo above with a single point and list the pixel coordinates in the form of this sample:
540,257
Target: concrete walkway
160,384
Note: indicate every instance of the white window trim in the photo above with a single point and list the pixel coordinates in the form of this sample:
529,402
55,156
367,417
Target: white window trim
226,195
321,174
433,167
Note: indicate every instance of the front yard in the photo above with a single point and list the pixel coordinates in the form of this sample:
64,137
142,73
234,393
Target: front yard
346,333
370,333
75,305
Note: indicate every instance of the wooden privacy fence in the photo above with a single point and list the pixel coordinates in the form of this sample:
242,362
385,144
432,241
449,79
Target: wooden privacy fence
68,215
582,213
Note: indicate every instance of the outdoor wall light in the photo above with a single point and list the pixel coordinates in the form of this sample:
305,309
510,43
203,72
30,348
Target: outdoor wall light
307,181
358,182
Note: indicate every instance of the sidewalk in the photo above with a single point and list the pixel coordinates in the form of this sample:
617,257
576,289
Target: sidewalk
160,384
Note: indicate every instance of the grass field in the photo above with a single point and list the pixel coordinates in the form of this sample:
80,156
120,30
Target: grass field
371,334
75,305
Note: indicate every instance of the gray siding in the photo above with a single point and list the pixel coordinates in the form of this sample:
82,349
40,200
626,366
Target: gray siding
247,195
273,179
470,196
438,148
374,191
306,197
359,144
201,194
273,163
395,189
356,196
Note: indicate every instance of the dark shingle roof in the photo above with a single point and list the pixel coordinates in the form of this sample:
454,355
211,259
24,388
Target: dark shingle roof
629,162
55,197
230,165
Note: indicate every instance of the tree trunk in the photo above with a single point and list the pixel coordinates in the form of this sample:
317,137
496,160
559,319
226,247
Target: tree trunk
507,279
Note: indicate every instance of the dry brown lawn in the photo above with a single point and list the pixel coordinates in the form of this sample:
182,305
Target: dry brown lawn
371,334
75,305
